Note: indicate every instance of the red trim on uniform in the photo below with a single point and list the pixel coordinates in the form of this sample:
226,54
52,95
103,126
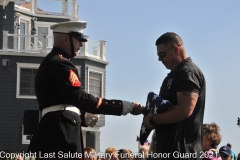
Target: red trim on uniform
60,56
73,79
99,102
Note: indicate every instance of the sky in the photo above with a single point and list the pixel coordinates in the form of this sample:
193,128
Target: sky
210,31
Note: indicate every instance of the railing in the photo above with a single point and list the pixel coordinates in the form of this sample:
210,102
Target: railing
94,49
43,44
65,8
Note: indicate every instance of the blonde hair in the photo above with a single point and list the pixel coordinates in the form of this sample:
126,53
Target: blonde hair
111,150
89,152
130,156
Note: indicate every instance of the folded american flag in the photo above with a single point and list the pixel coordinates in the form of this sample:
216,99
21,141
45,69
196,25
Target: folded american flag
159,105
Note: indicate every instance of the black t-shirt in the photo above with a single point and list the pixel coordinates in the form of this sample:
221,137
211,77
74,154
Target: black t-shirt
184,136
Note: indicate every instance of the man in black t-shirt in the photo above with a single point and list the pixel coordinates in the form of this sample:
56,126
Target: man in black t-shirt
179,130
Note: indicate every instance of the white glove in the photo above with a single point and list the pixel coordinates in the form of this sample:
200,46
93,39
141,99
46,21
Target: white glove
127,107
91,119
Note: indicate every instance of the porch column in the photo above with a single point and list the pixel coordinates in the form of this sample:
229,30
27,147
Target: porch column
103,49
97,141
65,7
84,137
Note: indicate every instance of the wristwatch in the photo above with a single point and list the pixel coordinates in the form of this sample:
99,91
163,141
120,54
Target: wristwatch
152,121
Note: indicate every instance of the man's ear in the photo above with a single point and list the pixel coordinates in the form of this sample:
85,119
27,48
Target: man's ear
177,49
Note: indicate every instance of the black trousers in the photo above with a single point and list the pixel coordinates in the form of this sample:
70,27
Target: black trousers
58,136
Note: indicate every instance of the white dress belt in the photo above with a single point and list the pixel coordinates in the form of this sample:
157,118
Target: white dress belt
61,107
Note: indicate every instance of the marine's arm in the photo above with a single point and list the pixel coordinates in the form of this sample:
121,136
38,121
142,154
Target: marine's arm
76,96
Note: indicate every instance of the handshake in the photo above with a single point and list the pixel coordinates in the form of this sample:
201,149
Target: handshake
92,119
137,109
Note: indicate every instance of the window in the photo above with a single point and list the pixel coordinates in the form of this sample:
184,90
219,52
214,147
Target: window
42,31
43,28
95,87
26,73
27,81
95,84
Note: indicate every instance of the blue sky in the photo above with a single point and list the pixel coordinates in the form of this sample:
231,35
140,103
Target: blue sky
210,31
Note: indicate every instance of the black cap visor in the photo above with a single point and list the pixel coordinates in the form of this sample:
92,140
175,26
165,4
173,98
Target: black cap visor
79,36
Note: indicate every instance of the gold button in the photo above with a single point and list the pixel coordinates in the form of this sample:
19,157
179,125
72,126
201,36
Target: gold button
120,103
106,102
113,102
74,121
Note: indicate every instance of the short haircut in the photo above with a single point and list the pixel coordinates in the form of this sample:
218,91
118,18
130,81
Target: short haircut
212,131
170,38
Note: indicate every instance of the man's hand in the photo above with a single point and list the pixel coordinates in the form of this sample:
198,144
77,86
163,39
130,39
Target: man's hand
138,109
91,119
146,120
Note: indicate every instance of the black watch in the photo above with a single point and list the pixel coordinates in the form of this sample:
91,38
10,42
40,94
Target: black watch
152,121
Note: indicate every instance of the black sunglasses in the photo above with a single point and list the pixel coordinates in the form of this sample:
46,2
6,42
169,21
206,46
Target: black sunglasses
163,54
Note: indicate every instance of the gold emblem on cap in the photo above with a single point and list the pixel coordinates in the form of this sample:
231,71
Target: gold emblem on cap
113,102
74,121
106,102
120,103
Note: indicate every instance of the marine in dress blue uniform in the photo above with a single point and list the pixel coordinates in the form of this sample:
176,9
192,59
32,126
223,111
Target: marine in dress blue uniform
62,100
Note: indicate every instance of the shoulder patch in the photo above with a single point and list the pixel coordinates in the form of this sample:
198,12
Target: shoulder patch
73,78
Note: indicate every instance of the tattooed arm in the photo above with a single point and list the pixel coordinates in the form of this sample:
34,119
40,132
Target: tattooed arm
183,110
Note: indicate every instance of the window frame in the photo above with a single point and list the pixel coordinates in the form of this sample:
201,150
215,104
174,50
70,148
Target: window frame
25,66
97,72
